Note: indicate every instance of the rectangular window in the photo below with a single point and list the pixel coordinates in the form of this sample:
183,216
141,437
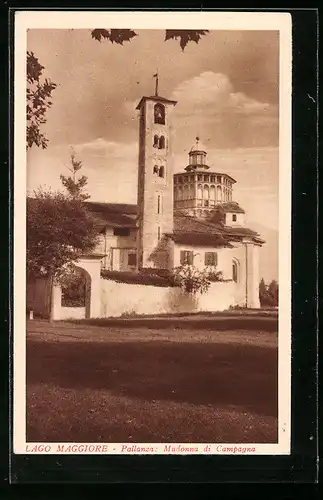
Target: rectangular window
211,258
121,231
186,257
159,204
132,259
158,233
234,217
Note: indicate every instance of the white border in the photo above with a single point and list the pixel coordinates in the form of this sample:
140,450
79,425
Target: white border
142,20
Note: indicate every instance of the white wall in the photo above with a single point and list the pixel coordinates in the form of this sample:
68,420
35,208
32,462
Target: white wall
72,313
225,256
116,249
230,222
121,298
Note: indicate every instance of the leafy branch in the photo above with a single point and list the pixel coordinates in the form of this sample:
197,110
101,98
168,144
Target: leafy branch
38,101
121,36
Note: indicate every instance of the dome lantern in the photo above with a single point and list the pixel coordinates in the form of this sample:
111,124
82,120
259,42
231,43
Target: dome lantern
197,157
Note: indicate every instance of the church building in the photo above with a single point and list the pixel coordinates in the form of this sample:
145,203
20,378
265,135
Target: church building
189,217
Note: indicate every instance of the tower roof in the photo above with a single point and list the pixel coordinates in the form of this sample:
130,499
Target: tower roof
156,98
198,147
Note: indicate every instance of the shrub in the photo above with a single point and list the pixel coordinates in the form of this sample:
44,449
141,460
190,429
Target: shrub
193,280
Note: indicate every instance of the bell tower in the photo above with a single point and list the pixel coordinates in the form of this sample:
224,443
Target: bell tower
155,179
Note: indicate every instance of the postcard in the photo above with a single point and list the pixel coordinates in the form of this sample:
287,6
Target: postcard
152,233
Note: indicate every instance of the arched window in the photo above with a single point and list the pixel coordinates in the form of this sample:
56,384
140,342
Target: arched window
161,172
161,144
185,192
218,193
212,193
155,171
199,192
235,271
179,193
156,141
206,195
159,113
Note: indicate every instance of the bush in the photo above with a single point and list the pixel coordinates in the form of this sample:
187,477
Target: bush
193,280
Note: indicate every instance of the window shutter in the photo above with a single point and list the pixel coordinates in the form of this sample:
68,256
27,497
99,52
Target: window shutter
211,259
186,257
132,259
190,258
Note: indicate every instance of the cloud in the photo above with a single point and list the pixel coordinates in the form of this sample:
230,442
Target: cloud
208,105
210,93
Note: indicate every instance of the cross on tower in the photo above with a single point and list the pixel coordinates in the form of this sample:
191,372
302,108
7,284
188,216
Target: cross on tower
156,83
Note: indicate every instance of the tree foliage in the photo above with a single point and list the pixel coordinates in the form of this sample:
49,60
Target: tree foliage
185,36
73,186
59,231
122,35
113,35
73,286
193,280
268,295
39,94
218,216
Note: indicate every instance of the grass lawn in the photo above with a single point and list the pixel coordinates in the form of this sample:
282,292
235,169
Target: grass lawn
90,383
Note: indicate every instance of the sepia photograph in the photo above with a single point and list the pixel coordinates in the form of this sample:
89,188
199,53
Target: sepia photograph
152,233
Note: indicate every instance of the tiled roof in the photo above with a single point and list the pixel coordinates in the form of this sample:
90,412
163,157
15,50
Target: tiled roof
186,224
192,231
244,231
109,214
201,239
232,206
121,208
189,230
113,214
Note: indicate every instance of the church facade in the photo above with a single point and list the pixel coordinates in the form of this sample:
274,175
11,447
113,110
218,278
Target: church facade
185,218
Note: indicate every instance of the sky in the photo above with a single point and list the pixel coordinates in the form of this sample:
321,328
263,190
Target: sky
227,88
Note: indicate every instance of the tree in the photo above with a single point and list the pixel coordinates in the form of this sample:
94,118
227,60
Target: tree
59,231
273,292
268,295
121,36
75,187
39,94
218,216
262,288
